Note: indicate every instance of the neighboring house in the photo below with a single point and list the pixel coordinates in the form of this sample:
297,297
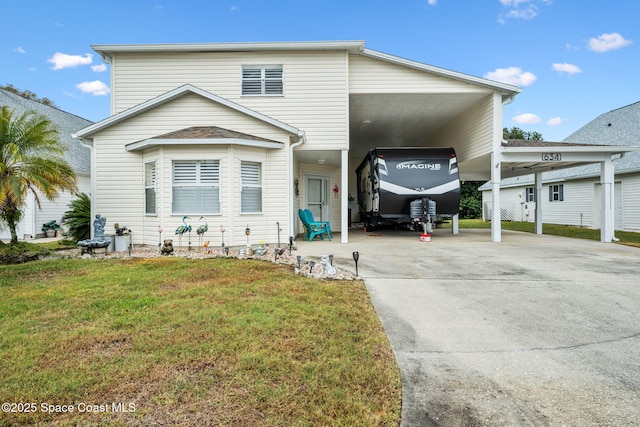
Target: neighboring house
573,196
77,155
245,134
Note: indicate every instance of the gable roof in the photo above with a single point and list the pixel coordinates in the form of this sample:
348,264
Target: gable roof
88,132
78,156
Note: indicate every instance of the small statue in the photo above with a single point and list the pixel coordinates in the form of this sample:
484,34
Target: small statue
167,247
98,227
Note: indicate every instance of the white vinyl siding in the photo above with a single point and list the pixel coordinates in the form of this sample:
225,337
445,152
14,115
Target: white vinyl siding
251,193
316,87
196,187
150,188
262,80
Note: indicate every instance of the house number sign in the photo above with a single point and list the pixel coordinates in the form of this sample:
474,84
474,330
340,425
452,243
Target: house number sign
551,157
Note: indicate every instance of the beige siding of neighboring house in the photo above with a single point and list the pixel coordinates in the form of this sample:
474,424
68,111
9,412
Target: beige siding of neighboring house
630,192
119,175
315,85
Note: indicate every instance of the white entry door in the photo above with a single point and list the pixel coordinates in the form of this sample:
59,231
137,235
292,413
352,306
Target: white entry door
317,196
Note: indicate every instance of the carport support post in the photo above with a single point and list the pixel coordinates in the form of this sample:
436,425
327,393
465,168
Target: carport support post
344,197
606,179
496,226
538,202
455,229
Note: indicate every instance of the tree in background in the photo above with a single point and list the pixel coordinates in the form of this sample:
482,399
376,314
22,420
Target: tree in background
28,94
517,133
30,161
470,200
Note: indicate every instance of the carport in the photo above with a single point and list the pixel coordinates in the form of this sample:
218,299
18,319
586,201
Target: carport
518,157
395,102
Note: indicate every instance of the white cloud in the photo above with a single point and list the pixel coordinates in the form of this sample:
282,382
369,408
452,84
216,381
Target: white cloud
512,75
527,119
608,41
95,87
566,68
62,60
432,2
520,9
19,49
99,68
233,8
556,121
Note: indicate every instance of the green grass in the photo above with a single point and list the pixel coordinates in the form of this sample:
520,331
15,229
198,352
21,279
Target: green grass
192,342
626,237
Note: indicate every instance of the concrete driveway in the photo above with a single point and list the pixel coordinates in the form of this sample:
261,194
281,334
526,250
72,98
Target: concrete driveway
536,330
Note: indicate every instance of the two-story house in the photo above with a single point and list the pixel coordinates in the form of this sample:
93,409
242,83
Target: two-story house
245,134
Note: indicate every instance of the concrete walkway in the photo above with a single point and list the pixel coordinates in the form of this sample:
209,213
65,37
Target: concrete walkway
536,330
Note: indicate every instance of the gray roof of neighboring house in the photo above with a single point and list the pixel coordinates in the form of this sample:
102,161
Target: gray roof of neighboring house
77,155
618,127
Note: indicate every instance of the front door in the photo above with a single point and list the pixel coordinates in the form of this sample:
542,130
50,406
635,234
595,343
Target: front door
317,195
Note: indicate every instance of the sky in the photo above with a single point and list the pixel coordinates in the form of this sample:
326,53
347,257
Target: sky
573,59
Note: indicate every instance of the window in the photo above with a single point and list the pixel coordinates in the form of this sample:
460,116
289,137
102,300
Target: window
251,194
556,193
262,80
196,186
150,188
530,194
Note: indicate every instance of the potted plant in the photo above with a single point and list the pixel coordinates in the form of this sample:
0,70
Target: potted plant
51,228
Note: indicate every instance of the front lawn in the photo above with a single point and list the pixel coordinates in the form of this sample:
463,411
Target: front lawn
190,342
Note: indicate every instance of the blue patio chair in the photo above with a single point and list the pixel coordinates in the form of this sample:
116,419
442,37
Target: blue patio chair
313,228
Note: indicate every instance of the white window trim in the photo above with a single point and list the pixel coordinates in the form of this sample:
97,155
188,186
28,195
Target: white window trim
263,79
252,185
197,184
153,186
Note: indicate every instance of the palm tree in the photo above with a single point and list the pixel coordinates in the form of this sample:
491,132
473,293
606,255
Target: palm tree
30,161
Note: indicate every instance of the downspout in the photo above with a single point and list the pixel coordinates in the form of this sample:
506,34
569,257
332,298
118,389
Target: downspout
302,138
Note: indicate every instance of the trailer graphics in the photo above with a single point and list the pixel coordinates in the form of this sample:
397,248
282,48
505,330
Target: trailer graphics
408,185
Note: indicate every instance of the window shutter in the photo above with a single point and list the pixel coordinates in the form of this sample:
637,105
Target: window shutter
262,80
561,191
196,186
184,172
551,193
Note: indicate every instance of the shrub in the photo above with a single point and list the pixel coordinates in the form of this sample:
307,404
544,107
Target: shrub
78,218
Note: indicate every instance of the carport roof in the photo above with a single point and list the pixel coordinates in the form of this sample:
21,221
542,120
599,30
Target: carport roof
522,157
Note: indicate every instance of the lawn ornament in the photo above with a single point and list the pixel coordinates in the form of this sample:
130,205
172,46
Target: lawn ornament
183,229
202,229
